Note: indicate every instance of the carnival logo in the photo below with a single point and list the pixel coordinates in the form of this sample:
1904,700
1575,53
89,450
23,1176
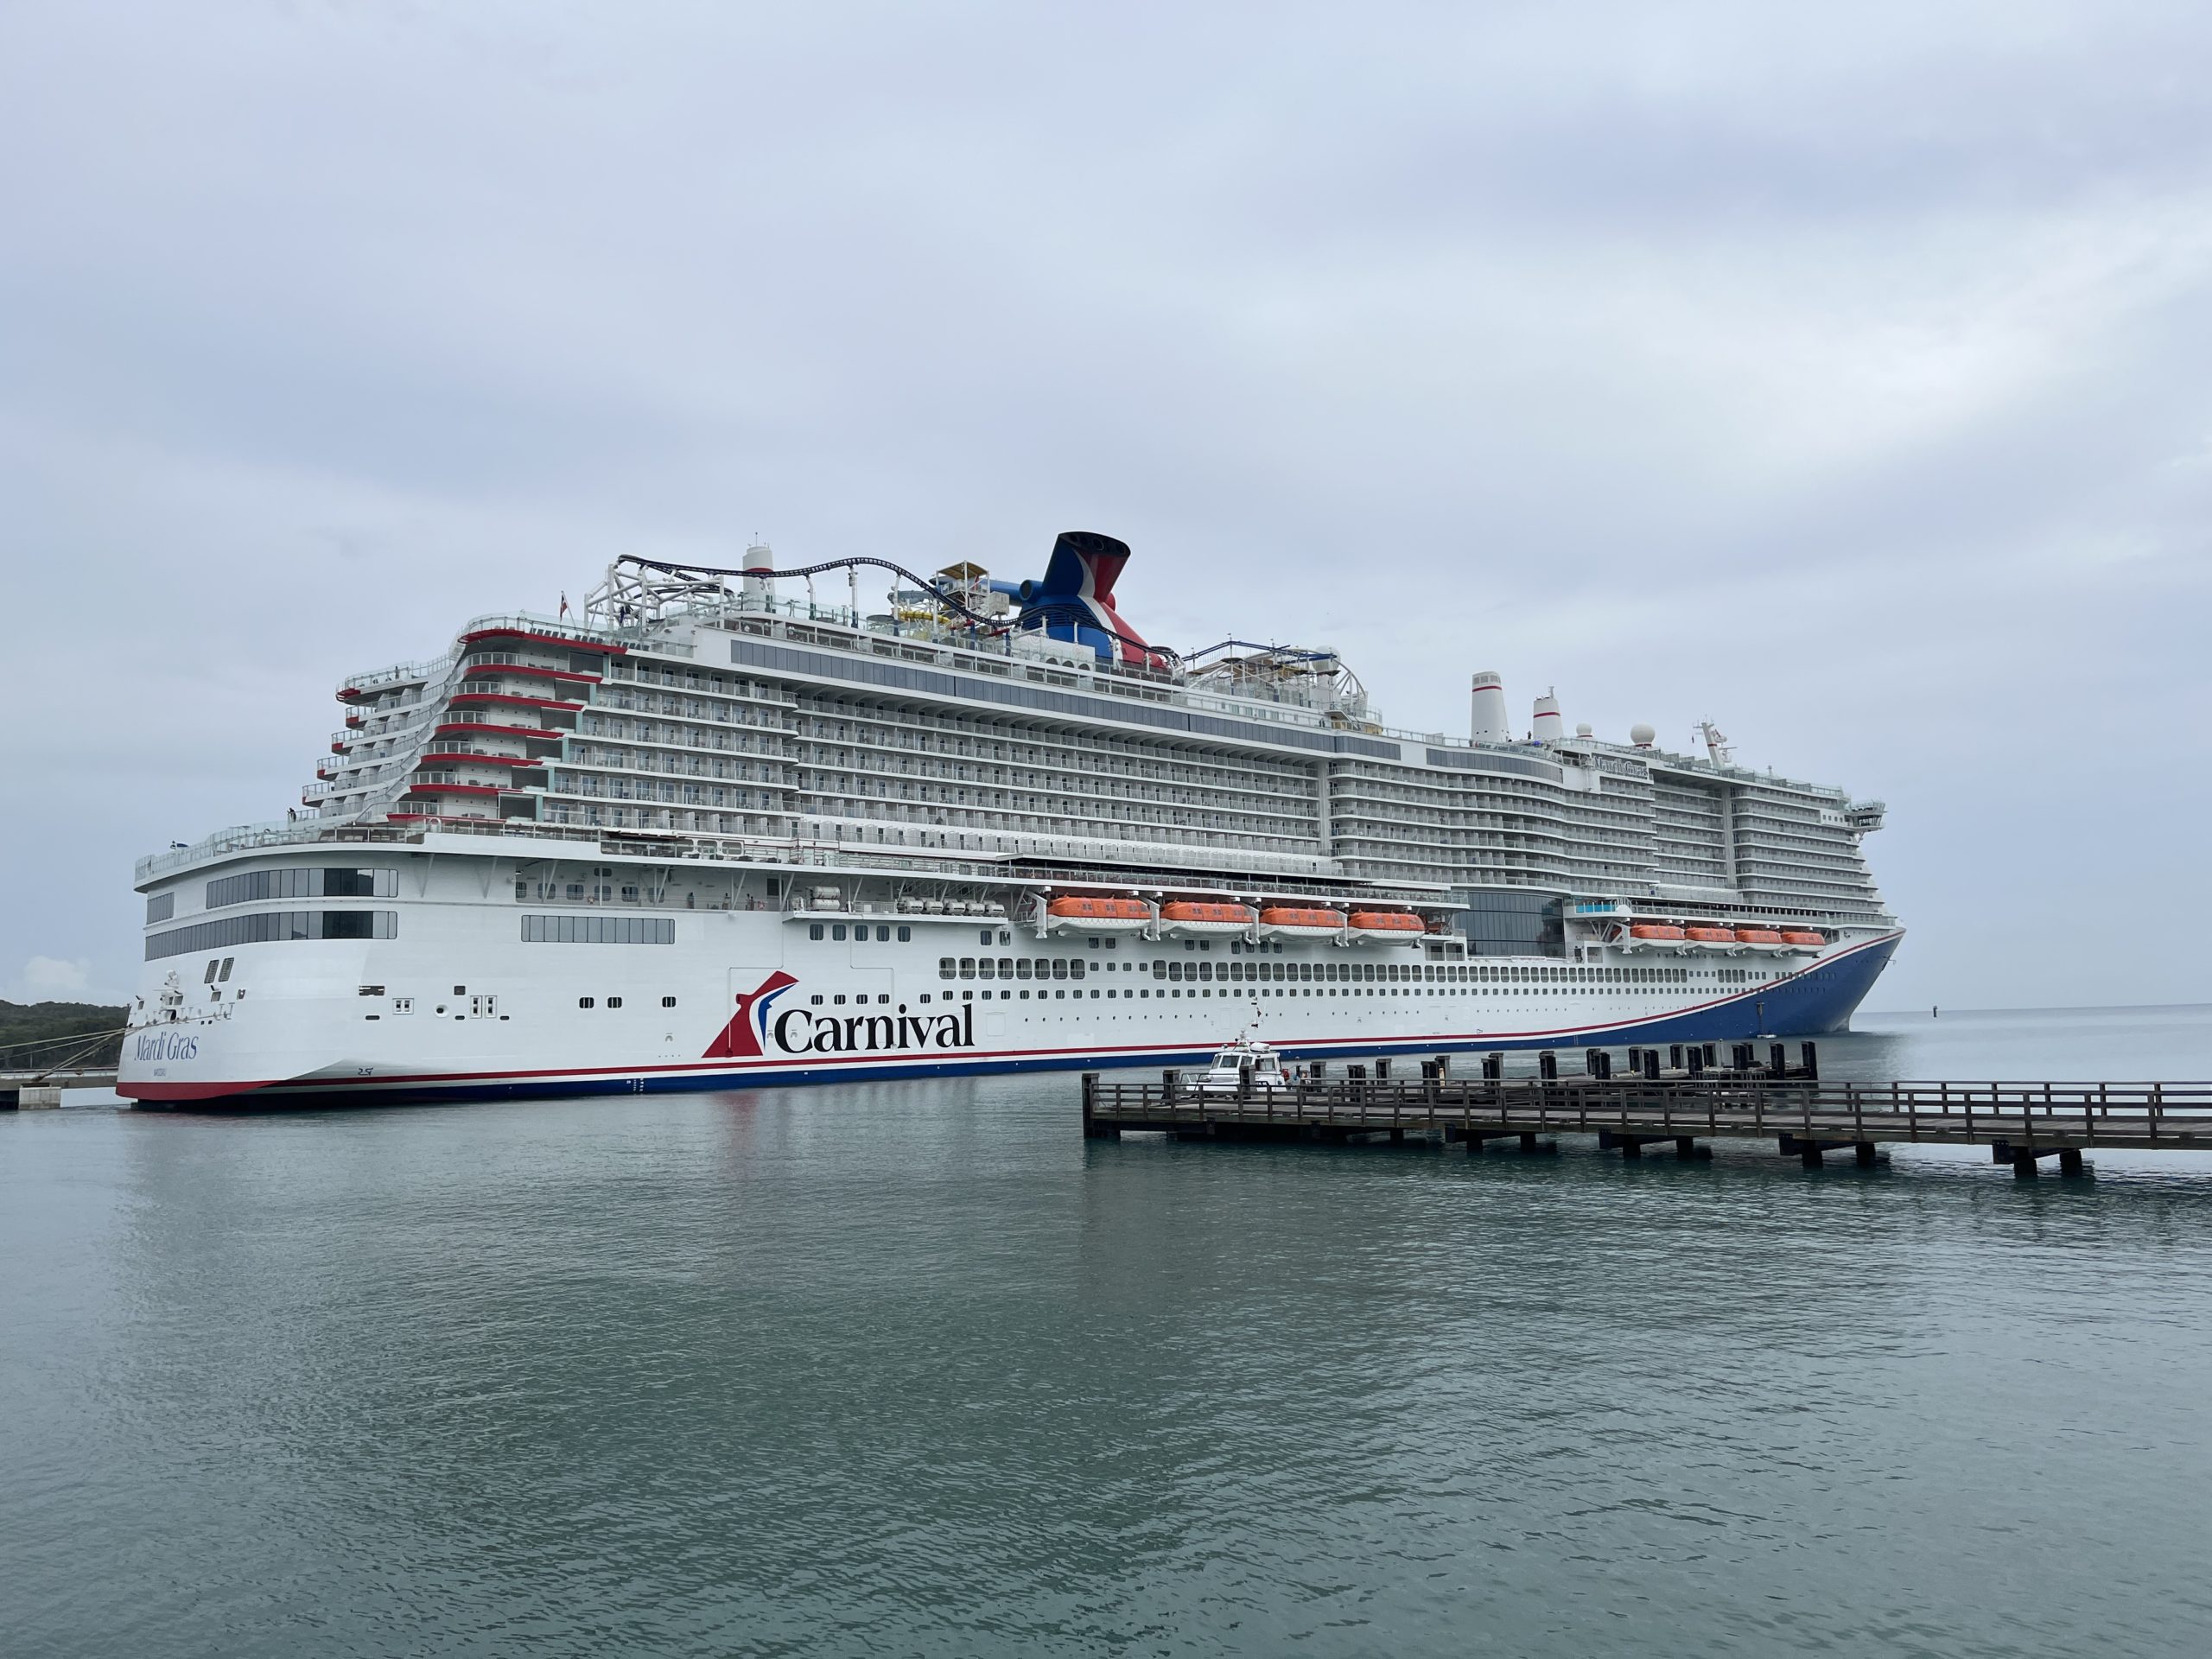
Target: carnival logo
756,1025
157,1045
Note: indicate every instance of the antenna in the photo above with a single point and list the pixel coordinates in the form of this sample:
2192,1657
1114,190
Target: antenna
1716,743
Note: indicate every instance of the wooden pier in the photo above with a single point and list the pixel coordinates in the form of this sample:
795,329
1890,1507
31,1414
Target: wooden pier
2021,1123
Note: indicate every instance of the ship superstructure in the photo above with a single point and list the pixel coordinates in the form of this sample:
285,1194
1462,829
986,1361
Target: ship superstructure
762,814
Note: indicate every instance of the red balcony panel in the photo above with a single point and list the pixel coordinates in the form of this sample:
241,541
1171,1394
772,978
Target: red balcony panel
467,728
541,673
543,640
507,697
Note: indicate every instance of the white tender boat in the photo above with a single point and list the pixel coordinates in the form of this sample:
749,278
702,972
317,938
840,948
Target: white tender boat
1227,1073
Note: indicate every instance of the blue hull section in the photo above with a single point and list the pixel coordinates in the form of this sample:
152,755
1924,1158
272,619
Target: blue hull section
1812,1004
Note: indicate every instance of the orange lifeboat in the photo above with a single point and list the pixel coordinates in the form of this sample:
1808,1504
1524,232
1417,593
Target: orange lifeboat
1801,935
1076,915
1192,915
1299,922
1653,930
1757,936
1386,921
1711,935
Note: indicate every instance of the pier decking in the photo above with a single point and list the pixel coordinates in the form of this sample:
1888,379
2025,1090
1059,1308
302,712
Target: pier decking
2021,1123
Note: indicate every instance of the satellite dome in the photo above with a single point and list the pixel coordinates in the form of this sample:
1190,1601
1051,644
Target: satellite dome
1583,730
1642,736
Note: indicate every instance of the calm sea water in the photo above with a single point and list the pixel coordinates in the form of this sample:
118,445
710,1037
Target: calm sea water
913,1370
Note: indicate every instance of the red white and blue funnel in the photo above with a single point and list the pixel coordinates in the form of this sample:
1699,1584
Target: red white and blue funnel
1075,601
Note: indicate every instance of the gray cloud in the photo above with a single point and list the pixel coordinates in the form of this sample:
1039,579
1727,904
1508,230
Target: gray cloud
1841,376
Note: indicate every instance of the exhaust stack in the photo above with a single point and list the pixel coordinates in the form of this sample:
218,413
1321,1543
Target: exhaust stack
1489,724
1550,728
758,558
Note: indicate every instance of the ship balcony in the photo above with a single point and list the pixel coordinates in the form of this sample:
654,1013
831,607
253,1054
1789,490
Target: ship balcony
537,631
511,700
476,727
501,665
431,788
452,757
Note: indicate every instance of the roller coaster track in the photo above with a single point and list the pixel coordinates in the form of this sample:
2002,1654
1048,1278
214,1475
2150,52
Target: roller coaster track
989,625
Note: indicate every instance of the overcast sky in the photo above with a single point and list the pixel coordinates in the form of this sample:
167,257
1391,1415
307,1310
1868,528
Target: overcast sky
1843,374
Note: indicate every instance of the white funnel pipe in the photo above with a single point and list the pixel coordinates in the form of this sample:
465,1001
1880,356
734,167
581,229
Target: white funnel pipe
757,557
1550,728
1489,724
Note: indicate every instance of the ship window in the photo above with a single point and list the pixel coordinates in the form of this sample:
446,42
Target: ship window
1075,968
575,893
668,1002
814,930
987,967
224,978
1159,968
1017,970
838,1001
214,964
945,968
581,1002
838,930
905,934
967,967
1060,968
883,935
161,907
594,930
629,895
985,936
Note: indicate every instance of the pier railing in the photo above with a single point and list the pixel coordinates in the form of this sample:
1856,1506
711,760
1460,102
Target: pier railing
2021,1118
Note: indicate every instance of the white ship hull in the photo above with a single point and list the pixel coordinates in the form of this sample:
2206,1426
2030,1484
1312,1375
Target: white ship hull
458,1002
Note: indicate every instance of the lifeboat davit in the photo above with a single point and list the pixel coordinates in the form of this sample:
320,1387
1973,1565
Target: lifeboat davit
1296,922
1076,915
1803,937
1757,936
1655,931
1388,924
1194,917
1710,935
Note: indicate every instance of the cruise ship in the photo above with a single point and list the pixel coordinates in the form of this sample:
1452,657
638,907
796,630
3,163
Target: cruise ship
711,831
